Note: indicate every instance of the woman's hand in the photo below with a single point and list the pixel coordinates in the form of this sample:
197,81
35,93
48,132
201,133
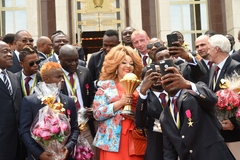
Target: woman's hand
125,100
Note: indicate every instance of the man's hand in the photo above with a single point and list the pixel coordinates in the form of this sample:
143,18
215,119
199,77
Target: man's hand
89,112
227,125
149,79
46,156
65,152
175,80
179,51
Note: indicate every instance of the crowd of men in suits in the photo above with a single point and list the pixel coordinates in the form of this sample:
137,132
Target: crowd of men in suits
20,62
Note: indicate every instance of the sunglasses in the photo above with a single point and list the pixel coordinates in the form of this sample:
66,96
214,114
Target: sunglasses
34,62
27,40
156,44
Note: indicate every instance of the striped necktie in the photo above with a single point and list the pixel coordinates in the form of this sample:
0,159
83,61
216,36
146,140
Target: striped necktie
7,83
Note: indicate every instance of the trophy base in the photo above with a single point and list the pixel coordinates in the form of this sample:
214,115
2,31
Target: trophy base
127,114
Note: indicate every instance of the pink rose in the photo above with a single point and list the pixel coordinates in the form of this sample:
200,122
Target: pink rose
55,129
64,127
37,132
45,135
79,157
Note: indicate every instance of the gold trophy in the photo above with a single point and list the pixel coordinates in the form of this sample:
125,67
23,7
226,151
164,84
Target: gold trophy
129,82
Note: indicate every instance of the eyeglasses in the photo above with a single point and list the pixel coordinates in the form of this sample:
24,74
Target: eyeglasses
34,62
156,44
27,40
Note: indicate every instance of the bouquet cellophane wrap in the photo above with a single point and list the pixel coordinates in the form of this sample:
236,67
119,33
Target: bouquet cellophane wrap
82,150
82,119
228,98
51,127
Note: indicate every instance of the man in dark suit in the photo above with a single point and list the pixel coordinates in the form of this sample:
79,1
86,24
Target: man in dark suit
22,38
51,73
10,98
29,75
82,87
148,109
110,40
44,47
140,40
189,129
201,44
219,48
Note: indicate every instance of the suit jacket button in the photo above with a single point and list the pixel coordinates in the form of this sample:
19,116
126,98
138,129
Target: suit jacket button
190,151
183,136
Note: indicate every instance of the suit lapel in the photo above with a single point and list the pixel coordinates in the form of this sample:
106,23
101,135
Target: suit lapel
16,61
154,106
211,74
169,117
222,73
81,79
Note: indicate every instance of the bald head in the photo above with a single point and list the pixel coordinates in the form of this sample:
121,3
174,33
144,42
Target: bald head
68,57
44,45
67,50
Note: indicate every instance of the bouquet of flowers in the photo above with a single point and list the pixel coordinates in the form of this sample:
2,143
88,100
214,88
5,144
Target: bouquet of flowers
82,150
51,127
228,98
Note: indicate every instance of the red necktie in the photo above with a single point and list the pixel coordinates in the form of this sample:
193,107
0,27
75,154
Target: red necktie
77,104
175,110
145,60
216,73
27,87
210,64
162,96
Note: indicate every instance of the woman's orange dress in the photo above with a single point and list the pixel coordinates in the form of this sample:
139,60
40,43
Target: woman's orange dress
127,125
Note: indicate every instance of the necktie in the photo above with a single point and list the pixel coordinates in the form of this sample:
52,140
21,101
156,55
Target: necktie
145,60
7,82
162,96
175,110
215,77
77,104
210,64
27,87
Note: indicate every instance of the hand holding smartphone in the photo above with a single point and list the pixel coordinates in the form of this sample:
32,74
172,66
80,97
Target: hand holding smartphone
165,64
171,38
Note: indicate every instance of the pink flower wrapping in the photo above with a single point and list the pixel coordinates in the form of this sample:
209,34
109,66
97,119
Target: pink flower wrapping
82,150
51,130
227,104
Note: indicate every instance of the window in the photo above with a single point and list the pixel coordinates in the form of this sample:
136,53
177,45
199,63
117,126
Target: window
190,18
13,16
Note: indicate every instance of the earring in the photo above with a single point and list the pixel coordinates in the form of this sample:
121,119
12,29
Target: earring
116,72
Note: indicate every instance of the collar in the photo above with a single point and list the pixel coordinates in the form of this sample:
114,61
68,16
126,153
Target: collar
56,56
17,54
24,76
221,64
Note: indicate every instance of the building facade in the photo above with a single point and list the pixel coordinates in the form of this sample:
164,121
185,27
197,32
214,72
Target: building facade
157,17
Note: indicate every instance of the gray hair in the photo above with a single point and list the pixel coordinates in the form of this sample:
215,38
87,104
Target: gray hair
220,41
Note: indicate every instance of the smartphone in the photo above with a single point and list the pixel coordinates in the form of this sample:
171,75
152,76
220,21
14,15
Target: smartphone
151,66
165,64
171,38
